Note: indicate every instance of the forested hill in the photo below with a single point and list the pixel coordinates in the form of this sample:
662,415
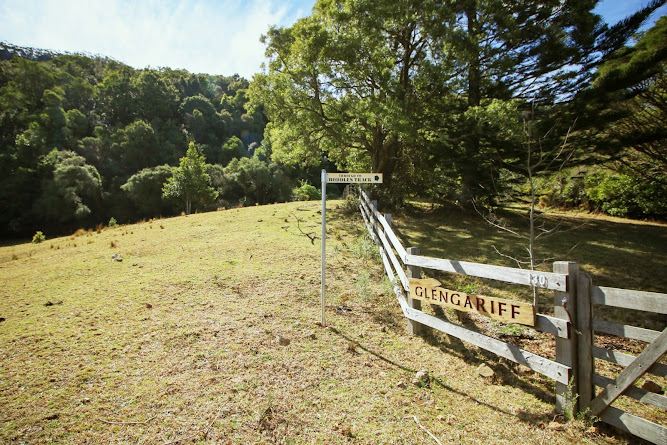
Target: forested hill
7,51
570,116
84,139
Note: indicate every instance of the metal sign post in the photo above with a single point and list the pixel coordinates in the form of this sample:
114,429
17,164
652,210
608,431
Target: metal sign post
324,241
360,178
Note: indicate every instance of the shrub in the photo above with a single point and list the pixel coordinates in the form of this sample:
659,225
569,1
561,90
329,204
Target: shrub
38,238
113,222
627,194
350,205
565,189
79,232
250,181
306,192
364,248
617,191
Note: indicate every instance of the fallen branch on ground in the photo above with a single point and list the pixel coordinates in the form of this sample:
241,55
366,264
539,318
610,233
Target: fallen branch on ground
427,431
311,236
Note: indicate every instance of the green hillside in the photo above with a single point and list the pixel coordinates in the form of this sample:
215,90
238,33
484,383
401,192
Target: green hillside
207,330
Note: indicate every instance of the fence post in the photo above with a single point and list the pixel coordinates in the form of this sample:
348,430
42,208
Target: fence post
387,218
374,209
414,328
565,307
585,341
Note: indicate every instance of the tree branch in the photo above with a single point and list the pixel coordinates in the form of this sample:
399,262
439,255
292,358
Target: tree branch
311,236
494,224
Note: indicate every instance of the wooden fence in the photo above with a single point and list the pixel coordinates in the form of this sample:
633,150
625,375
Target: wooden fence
572,326
592,297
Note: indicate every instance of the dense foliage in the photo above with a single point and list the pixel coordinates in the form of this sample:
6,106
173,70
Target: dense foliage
464,101
447,99
623,118
84,139
190,182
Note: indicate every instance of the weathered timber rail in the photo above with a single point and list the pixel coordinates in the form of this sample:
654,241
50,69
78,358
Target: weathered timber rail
572,326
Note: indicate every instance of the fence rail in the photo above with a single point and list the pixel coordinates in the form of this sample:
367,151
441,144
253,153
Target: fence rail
629,299
573,327
393,253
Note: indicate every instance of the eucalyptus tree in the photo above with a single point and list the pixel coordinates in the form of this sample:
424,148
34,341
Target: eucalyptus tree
348,82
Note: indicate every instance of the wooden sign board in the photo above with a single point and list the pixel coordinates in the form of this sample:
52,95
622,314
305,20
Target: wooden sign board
366,178
508,311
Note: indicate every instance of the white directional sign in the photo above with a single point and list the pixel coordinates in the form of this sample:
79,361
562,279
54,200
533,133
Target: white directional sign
340,178
367,178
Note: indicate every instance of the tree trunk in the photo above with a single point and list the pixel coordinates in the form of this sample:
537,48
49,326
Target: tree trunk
470,166
384,153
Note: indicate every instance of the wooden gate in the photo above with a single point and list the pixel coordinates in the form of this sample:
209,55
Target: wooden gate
562,281
590,297
573,327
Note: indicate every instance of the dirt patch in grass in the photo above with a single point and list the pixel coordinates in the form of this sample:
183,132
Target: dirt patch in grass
206,329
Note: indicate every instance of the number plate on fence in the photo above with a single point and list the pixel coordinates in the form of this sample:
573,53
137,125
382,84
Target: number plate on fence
508,311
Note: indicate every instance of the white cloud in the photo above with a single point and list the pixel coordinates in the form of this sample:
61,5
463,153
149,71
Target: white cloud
211,36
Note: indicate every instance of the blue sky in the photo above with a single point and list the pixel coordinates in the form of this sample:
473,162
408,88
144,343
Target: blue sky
202,36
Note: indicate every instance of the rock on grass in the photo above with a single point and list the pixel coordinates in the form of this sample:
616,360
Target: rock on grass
485,370
422,379
283,341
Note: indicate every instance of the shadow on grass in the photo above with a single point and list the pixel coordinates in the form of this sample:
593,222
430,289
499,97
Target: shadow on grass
625,253
454,346
457,347
616,253
532,418
9,242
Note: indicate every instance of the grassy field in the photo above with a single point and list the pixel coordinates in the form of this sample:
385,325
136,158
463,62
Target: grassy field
615,252
207,331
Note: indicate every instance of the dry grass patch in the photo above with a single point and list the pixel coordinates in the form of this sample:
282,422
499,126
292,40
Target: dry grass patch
205,330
